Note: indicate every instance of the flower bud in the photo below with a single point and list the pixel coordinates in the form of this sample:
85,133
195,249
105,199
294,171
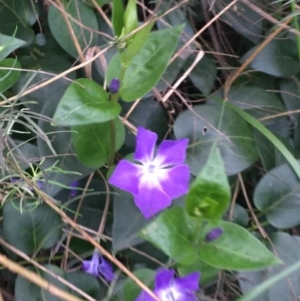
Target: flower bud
114,85
214,234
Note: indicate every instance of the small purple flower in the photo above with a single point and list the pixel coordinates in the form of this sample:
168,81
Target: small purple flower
98,266
213,234
169,288
73,185
114,85
159,178
39,183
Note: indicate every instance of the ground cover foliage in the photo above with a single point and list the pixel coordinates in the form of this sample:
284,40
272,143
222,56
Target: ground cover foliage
149,150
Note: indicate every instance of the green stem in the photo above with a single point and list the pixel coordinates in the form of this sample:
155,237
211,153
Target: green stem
296,24
112,124
198,232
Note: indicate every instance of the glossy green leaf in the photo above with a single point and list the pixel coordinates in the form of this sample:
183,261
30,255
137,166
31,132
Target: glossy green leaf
20,15
26,290
8,45
238,215
8,76
147,66
80,14
276,195
172,232
234,138
256,101
126,227
277,143
209,194
86,282
204,74
131,290
286,247
136,44
118,16
236,249
60,164
242,18
35,227
278,58
290,91
208,273
93,144
43,70
85,102
130,17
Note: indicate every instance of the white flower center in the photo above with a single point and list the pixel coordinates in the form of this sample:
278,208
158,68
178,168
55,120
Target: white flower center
169,294
152,174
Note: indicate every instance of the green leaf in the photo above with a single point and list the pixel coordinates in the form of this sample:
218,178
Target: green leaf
242,18
85,282
8,77
92,142
33,228
255,101
130,17
286,287
208,273
25,290
278,144
126,226
85,102
131,290
20,14
8,45
50,94
233,137
204,74
172,232
290,91
278,58
147,66
276,195
236,249
136,44
118,16
84,29
57,168
209,194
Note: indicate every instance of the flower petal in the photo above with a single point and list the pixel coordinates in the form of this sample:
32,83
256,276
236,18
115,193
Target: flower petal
163,279
172,152
105,269
187,297
90,267
126,177
188,283
73,185
143,296
145,145
151,200
177,182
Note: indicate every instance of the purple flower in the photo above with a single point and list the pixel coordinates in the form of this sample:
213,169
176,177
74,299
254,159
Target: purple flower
114,85
39,183
213,234
169,288
73,185
159,178
98,266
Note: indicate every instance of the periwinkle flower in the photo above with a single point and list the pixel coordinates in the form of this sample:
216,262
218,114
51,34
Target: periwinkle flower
170,288
159,178
73,185
98,266
114,85
213,234
39,183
